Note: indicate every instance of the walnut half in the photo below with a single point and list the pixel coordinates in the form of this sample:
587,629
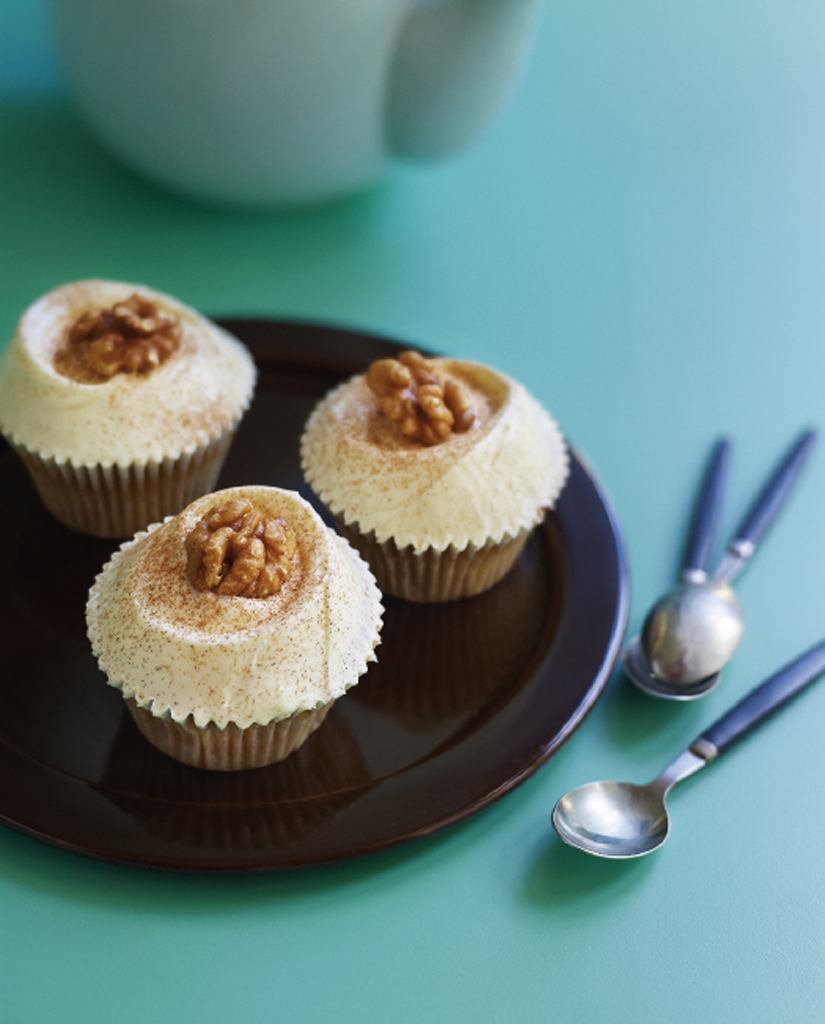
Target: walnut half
235,550
133,336
426,408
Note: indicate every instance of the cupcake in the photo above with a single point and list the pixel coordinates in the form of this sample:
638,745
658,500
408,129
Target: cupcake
122,403
436,470
231,628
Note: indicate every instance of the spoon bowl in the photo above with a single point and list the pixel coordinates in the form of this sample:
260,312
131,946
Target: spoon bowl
691,633
612,819
640,675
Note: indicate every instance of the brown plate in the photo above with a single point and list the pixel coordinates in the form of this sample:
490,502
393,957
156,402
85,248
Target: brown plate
467,698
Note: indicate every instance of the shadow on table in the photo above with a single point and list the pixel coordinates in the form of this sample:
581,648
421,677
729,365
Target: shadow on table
635,720
560,875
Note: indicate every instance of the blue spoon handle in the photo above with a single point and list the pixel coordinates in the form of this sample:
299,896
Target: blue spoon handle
765,508
761,702
707,512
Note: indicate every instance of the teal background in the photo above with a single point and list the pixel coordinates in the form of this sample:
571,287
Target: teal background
641,239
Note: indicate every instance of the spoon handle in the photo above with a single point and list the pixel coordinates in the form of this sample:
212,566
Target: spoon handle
769,502
761,702
706,514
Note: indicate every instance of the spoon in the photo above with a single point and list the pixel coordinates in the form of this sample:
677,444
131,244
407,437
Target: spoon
623,820
693,631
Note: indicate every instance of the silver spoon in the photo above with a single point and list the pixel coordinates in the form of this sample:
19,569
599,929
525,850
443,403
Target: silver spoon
693,631
623,820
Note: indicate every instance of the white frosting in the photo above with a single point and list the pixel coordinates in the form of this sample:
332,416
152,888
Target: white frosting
486,485
188,401
178,651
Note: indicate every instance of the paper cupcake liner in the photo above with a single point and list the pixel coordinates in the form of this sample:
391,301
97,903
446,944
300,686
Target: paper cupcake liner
118,501
229,749
432,575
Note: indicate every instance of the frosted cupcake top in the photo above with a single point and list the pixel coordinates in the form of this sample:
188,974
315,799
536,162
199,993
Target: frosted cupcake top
185,631
108,372
492,473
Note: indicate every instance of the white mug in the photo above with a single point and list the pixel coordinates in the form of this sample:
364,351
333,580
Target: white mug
277,102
